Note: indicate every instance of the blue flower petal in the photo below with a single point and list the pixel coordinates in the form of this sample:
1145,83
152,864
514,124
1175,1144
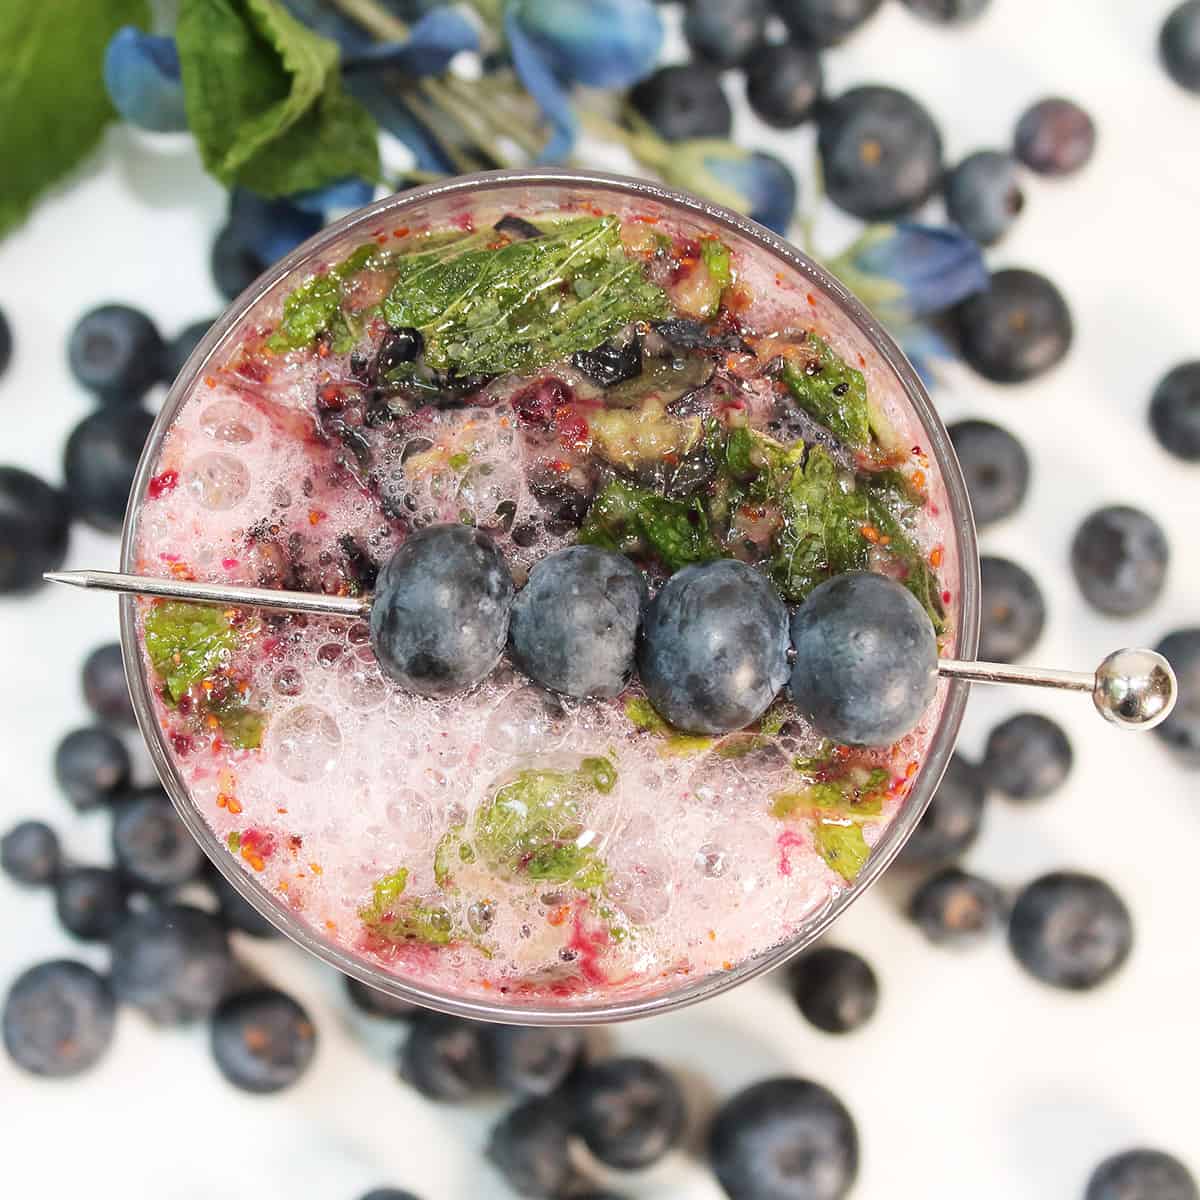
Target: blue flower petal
936,266
924,347
344,194
433,41
767,184
141,73
544,86
270,228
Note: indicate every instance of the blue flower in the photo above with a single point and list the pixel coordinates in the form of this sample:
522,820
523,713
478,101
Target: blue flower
345,194
141,73
432,42
269,228
767,186
923,346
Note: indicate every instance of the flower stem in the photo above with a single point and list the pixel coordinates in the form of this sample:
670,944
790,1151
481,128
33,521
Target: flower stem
375,19
499,121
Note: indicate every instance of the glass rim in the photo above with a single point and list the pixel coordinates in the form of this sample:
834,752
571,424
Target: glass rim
941,744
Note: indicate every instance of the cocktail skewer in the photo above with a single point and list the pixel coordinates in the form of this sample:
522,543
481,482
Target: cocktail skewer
1131,688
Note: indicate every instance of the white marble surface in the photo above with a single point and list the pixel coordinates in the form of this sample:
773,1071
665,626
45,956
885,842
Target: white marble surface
972,1080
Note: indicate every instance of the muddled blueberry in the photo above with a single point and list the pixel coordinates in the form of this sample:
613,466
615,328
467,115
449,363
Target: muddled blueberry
262,1040
995,467
880,151
783,84
983,195
447,1058
953,819
90,902
1014,612
1179,44
713,653
91,766
116,352
824,22
953,908
151,845
684,101
784,1139
35,522
529,1146
948,12
534,1061
59,1018
517,228
398,347
725,32
439,621
105,690
6,343
1027,758
1070,930
866,659
100,461
1175,411
834,988
612,362
1142,1174
30,853
1016,330
375,1003
1119,557
1181,730
1055,137
629,1111
179,348
237,913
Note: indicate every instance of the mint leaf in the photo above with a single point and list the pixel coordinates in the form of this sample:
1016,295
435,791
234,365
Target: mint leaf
842,846
830,391
53,105
917,575
186,643
315,307
395,918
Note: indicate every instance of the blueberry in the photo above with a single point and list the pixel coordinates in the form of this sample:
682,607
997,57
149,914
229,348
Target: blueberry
835,988
684,101
262,1040
100,461
713,653
866,659
172,961
824,22
1179,45
1142,1175
1055,137
766,184
91,765
995,467
58,1019
91,902
1181,730
1014,612
375,1003
180,347
948,12
105,690
532,1061
725,32
398,348
784,1139
237,913
116,352
151,845
574,624
783,84
6,343
30,853
440,617
1175,411
983,195
447,1058
529,1147
257,234
235,265
1016,330
612,362
952,821
1119,557
388,1193
1027,758
1070,930
881,153
953,908
629,1111
35,522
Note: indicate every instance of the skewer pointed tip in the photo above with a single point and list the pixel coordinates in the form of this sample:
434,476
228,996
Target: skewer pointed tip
74,578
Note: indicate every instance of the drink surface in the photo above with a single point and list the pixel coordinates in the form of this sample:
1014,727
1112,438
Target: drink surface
507,842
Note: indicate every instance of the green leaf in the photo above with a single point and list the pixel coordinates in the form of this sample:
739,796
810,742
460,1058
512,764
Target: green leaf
830,391
396,919
187,643
315,307
641,712
842,846
53,104
918,576
241,727
716,257
388,889
450,851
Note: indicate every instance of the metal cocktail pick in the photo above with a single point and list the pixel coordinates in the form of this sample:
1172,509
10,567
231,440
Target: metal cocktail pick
1134,689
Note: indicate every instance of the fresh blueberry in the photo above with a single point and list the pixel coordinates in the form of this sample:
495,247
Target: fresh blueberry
440,617
91,765
91,902
1181,730
447,1058
713,653
1027,758
388,1193
1070,930
952,821
237,913
1014,612
1179,45
105,690
151,845
983,195
1016,330
180,347
824,22
172,961
574,624
58,1019
725,32
35,522
375,1003
116,352
766,184
835,988
257,234
880,151
948,12
529,1146
684,101
866,659
629,1111
783,84
100,461
784,1139
533,1061
1119,557
953,908
995,467
262,1040
6,343
1175,411
1142,1175
1055,137
30,853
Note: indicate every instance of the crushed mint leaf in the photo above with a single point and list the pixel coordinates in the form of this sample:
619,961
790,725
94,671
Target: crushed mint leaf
842,846
186,643
830,391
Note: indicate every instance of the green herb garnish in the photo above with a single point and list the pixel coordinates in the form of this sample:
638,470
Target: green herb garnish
187,643
315,307
919,577
391,916
830,391
842,846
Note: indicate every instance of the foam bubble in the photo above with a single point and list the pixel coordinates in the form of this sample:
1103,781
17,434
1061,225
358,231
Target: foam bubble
305,743
218,481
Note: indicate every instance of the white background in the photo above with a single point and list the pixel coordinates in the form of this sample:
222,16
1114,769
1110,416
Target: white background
973,1080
